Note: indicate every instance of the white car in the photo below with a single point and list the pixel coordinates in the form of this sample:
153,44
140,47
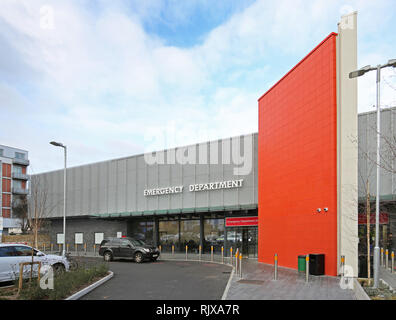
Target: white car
13,254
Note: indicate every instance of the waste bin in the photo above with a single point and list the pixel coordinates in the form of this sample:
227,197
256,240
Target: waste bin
301,263
316,264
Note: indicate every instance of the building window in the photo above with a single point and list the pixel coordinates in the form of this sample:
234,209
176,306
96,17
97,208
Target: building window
99,236
17,184
1,152
19,155
213,234
78,238
190,234
169,234
17,169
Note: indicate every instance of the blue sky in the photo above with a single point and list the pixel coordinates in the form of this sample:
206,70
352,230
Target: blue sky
117,78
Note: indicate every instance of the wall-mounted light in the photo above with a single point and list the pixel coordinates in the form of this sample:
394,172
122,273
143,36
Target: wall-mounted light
326,209
318,210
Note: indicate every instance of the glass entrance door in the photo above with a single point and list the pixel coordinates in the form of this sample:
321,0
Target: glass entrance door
244,239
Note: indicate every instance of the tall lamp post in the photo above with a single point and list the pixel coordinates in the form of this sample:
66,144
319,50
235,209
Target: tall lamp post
355,74
58,144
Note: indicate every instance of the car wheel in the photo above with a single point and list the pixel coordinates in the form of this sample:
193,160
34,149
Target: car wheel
108,256
59,268
139,257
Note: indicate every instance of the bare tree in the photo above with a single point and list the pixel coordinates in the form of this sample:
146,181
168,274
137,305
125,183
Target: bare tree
39,206
20,211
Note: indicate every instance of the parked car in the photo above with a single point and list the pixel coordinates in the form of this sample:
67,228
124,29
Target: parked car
127,247
13,254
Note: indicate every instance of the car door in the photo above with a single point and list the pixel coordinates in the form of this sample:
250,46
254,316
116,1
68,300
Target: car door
24,254
126,248
7,259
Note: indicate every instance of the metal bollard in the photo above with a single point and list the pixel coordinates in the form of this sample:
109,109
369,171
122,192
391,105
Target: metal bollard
342,265
231,255
393,261
173,249
44,247
160,249
276,267
85,247
200,252
382,256
52,247
76,247
186,251
386,258
240,265
94,249
59,247
236,261
307,268
211,253
222,255
67,247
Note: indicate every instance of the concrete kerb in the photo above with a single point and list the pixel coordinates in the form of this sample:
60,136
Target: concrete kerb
359,292
91,287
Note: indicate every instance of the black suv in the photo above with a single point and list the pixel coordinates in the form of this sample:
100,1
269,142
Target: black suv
111,248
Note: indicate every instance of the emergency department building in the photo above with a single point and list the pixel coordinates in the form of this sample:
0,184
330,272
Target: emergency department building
292,188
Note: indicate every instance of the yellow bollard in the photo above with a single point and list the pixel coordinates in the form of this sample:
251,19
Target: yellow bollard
211,253
240,265
200,252
173,249
393,261
94,249
231,255
386,258
52,247
67,247
222,254
59,247
160,249
382,256
85,247
186,251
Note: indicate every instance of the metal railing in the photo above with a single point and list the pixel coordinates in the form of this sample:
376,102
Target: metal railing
19,190
23,162
20,176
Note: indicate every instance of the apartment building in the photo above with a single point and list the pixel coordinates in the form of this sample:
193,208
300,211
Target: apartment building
14,181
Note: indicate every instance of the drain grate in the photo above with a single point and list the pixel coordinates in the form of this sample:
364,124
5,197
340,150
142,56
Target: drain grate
257,282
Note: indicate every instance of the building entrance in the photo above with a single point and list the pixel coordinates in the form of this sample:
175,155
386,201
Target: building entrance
244,239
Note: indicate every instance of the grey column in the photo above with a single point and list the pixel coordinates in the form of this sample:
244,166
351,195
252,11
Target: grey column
156,232
201,231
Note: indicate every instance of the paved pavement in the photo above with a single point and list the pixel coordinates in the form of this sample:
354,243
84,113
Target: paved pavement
163,280
258,284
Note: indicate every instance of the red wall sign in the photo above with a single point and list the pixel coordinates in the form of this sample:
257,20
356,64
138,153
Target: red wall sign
241,221
383,218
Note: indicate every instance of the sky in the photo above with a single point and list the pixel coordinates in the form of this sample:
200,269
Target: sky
111,79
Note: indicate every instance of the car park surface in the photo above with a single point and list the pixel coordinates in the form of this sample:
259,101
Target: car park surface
163,280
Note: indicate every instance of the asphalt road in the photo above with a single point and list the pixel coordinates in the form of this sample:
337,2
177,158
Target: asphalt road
163,280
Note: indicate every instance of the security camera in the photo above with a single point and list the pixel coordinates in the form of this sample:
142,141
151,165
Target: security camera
326,209
319,210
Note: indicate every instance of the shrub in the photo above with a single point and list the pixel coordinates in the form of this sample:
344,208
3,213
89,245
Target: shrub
65,283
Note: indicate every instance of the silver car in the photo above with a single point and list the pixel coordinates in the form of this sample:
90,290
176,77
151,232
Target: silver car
11,255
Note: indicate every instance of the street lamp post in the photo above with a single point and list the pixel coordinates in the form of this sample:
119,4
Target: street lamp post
354,74
58,144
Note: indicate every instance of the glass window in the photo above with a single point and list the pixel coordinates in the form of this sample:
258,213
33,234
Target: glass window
99,238
78,238
19,155
190,235
141,230
24,251
17,184
213,234
168,234
17,169
7,252
1,152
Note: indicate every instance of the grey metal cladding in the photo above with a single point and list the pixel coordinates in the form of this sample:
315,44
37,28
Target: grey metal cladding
117,186
367,123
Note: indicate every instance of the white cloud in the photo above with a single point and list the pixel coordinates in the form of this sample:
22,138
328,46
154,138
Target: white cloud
99,82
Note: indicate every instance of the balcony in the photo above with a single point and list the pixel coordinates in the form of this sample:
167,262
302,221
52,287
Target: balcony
23,162
19,191
19,176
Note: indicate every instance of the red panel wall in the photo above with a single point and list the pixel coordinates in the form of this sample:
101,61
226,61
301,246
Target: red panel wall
297,162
